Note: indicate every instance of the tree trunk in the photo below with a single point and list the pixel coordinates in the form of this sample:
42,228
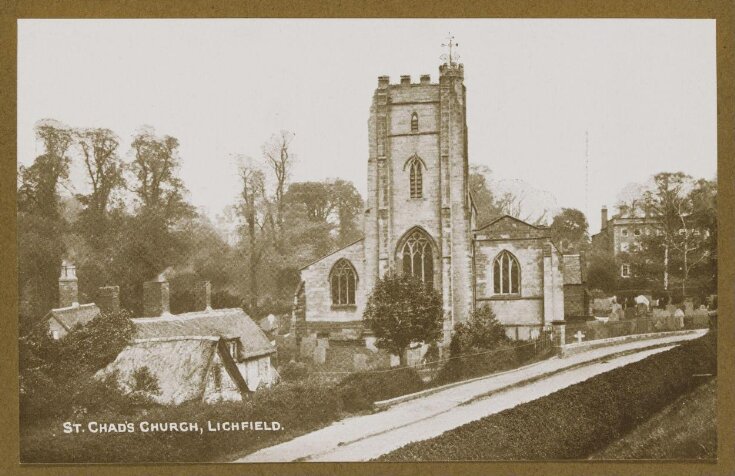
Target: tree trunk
666,267
403,356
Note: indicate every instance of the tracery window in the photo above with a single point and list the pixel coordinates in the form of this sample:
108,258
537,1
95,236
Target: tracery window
414,122
343,281
416,179
418,257
506,274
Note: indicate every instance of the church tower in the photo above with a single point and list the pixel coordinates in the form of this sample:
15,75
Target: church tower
419,214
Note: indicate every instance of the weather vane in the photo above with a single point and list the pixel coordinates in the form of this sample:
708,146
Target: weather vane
450,44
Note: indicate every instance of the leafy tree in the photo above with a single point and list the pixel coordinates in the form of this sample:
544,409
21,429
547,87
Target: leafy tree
569,230
485,201
41,225
104,169
402,310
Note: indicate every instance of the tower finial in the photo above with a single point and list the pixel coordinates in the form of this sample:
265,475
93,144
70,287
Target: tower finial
450,57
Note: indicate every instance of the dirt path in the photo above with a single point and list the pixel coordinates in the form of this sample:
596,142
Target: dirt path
366,437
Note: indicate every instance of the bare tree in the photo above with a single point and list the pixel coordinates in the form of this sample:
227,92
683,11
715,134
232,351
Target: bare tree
279,160
252,202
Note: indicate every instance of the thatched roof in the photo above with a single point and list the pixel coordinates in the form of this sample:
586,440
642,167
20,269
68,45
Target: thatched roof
69,317
179,365
226,323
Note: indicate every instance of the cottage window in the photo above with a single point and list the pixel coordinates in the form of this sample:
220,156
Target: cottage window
416,179
637,232
624,232
55,335
343,281
232,348
418,257
625,271
506,274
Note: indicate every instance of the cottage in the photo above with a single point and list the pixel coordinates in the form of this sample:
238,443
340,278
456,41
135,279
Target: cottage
206,355
70,313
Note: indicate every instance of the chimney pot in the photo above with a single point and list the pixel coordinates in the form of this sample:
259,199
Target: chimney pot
155,298
603,217
425,79
68,285
383,82
405,79
108,299
203,296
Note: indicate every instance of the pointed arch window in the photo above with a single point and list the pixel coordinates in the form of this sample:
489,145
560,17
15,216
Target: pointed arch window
414,122
343,281
506,274
416,178
418,257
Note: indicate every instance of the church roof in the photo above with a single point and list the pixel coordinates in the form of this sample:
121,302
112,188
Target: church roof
216,323
72,316
331,253
506,218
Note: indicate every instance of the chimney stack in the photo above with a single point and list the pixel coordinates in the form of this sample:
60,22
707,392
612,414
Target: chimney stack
155,297
406,79
108,299
603,217
68,285
383,82
425,79
203,296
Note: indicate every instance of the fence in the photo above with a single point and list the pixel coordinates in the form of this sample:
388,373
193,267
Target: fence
593,330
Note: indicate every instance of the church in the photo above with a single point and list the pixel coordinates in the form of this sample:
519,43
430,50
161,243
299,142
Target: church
420,219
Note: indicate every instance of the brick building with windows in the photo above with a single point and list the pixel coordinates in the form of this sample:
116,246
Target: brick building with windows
420,219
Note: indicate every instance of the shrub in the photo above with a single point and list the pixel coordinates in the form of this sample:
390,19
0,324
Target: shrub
145,381
402,310
294,371
479,346
578,420
360,390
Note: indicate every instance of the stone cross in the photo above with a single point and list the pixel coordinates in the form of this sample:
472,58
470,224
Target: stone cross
579,336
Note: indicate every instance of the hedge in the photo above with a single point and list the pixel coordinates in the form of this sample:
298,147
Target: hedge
360,390
578,420
299,407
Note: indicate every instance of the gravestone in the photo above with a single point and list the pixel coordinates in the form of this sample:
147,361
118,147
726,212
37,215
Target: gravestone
359,362
671,309
320,355
688,308
308,344
323,342
395,361
617,312
678,319
579,336
370,343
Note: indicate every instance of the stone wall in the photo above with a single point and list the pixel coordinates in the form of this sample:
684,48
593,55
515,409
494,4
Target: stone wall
317,288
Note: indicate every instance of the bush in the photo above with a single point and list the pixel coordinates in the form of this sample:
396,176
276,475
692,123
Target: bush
479,346
298,407
294,371
578,420
360,390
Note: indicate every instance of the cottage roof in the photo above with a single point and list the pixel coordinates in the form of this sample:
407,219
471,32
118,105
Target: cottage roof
180,366
573,273
72,316
225,323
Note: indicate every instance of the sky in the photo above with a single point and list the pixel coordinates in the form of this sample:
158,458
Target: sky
576,109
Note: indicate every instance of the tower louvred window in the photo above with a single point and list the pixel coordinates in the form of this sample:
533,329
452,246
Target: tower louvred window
416,179
414,122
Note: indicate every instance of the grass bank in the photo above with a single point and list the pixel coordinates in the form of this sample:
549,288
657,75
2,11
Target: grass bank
576,421
685,429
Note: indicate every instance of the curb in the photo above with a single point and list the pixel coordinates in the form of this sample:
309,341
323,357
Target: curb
383,404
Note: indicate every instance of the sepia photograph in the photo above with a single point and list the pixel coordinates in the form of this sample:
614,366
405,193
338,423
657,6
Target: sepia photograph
367,240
